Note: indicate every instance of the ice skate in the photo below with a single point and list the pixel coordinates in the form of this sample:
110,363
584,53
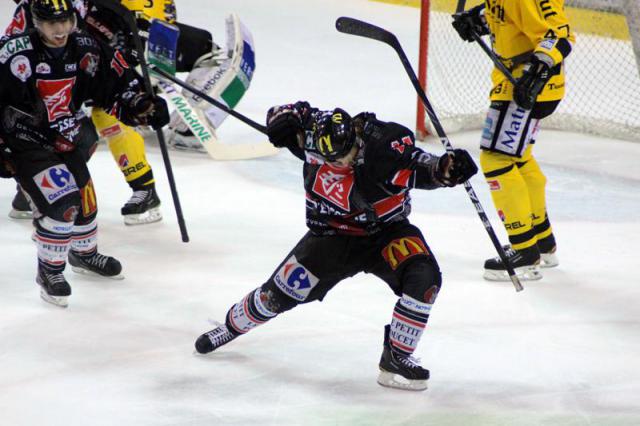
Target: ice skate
548,257
143,207
400,371
525,263
96,264
212,340
20,207
54,288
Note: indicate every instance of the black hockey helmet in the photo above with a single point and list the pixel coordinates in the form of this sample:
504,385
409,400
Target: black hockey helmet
334,135
52,10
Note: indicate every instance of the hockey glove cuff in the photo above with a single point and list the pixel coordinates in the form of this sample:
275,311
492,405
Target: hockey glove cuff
455,168
535,75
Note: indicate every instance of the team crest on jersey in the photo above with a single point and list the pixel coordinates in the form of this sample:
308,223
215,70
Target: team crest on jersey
56,95
334,185
21,68
295,280
43,68
89,64
55,182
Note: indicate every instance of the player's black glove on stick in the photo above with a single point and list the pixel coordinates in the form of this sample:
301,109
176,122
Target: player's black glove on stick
147,110
470,21
455,168
536,74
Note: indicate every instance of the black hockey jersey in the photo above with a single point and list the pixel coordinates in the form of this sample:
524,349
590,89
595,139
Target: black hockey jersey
51,86
363,198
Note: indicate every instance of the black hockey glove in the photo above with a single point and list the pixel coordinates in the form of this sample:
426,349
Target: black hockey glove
536,74
470,21
456,168
147,110
284,124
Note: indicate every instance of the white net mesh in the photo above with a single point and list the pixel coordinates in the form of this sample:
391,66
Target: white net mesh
603,83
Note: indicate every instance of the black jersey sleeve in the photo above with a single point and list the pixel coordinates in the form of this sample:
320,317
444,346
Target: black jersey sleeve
116,82
392,157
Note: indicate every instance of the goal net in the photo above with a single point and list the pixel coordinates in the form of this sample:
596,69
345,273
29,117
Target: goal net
603,79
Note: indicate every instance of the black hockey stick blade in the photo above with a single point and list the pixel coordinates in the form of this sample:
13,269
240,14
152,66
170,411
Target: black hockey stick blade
162,73
364,29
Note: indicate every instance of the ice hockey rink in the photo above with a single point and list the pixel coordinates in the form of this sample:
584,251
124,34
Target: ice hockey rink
565,351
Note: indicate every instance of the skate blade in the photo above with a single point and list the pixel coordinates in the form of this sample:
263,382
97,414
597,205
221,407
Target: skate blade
396,381
525,273
82,271
150,216
548,260
20,214
61,301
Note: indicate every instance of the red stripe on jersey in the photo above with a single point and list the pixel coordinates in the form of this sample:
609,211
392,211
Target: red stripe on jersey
401,178
388,204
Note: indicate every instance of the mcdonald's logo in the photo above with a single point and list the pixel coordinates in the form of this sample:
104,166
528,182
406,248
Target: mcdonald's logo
58,4
324,143
88,198
401,249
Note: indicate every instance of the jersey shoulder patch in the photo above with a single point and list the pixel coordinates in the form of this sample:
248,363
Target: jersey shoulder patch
13,46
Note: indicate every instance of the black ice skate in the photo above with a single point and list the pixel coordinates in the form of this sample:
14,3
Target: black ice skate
54,288
143,207
547,247
96,264
20,208
400,371
212,340
525,263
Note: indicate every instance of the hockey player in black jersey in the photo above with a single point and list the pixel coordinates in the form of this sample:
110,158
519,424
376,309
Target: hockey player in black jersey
47,74
357,175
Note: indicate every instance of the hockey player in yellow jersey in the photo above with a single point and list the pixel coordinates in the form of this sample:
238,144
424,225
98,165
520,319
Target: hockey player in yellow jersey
532,38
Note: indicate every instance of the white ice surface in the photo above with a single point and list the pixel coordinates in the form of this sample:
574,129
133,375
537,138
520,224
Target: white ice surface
563,352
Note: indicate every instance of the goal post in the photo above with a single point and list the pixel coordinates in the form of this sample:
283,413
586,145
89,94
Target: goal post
603,70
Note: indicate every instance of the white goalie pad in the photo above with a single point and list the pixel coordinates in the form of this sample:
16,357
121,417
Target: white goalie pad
224,77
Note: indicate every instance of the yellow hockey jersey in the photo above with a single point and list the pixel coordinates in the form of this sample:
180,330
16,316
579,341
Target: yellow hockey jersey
520,27
165,10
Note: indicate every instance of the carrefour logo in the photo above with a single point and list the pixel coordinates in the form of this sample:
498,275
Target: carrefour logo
55,182
295,280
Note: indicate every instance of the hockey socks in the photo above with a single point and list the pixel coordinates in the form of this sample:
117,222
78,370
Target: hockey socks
245,315
249,313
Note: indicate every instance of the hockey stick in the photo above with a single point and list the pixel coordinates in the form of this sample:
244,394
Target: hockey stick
494,58
130,21
244,119
364,29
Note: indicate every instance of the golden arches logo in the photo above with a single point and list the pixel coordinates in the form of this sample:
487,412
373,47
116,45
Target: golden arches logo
324,144
400,249
88,198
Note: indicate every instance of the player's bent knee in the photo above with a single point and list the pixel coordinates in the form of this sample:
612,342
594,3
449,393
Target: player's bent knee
65,209
274,299
422,280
